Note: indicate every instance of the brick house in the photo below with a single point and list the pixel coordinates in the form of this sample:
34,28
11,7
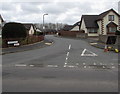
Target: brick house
30,28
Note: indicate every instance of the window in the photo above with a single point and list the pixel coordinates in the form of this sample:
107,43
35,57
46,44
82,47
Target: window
112,29
92,30
111,18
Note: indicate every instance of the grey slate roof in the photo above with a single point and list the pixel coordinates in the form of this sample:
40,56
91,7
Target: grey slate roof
105,13
28,25
67,27
90,21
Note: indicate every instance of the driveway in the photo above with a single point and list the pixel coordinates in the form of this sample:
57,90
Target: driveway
69,65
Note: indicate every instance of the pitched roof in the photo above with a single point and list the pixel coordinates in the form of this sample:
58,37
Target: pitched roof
105,13
1,18
28,25
90,21
67,27
76,24
112,24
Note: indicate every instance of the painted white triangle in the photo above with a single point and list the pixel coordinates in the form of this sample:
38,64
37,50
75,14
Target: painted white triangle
90,53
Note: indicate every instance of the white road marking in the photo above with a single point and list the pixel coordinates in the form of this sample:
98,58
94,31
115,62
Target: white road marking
31,65
71,66
93,43
52,65
91,53
94,63
77,63
69,46
103,66
67,53
48,43
83,63
66,58
65,63
85,66
113,67
20,65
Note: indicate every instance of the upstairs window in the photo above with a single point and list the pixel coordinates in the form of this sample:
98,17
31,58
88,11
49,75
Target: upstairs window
111,18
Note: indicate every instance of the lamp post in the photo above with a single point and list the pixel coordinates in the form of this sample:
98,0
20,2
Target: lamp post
43,22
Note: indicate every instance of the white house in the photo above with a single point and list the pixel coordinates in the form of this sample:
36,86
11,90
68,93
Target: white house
104,24
30,28
75,27
1,24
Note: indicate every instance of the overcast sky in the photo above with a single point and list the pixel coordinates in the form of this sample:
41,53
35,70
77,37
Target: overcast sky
59,11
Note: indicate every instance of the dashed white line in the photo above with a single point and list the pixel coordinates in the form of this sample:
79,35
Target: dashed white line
66,58
85,66
77,63
20,65
52,65
94,64
65,63
113,67
31,65
83,63
69,46
68,53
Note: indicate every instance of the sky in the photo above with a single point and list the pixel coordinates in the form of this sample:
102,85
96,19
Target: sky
59,11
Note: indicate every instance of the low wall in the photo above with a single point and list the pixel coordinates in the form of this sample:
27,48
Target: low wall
77,34
103,38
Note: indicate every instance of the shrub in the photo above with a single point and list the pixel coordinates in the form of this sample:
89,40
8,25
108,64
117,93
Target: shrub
14,30
39,33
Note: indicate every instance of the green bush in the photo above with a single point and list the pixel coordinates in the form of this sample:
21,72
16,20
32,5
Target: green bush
39,33
117,32
14,30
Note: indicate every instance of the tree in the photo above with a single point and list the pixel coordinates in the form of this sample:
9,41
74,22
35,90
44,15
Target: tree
14,30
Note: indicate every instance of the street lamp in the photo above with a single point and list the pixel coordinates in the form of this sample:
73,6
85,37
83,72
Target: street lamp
43,20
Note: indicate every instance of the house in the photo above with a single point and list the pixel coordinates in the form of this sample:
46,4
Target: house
70,30
1,24
30,28
102,25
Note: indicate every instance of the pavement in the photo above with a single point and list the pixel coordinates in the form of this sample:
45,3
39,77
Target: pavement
37,45
68,65
98,44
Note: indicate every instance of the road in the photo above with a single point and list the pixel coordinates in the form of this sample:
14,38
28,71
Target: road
68,65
